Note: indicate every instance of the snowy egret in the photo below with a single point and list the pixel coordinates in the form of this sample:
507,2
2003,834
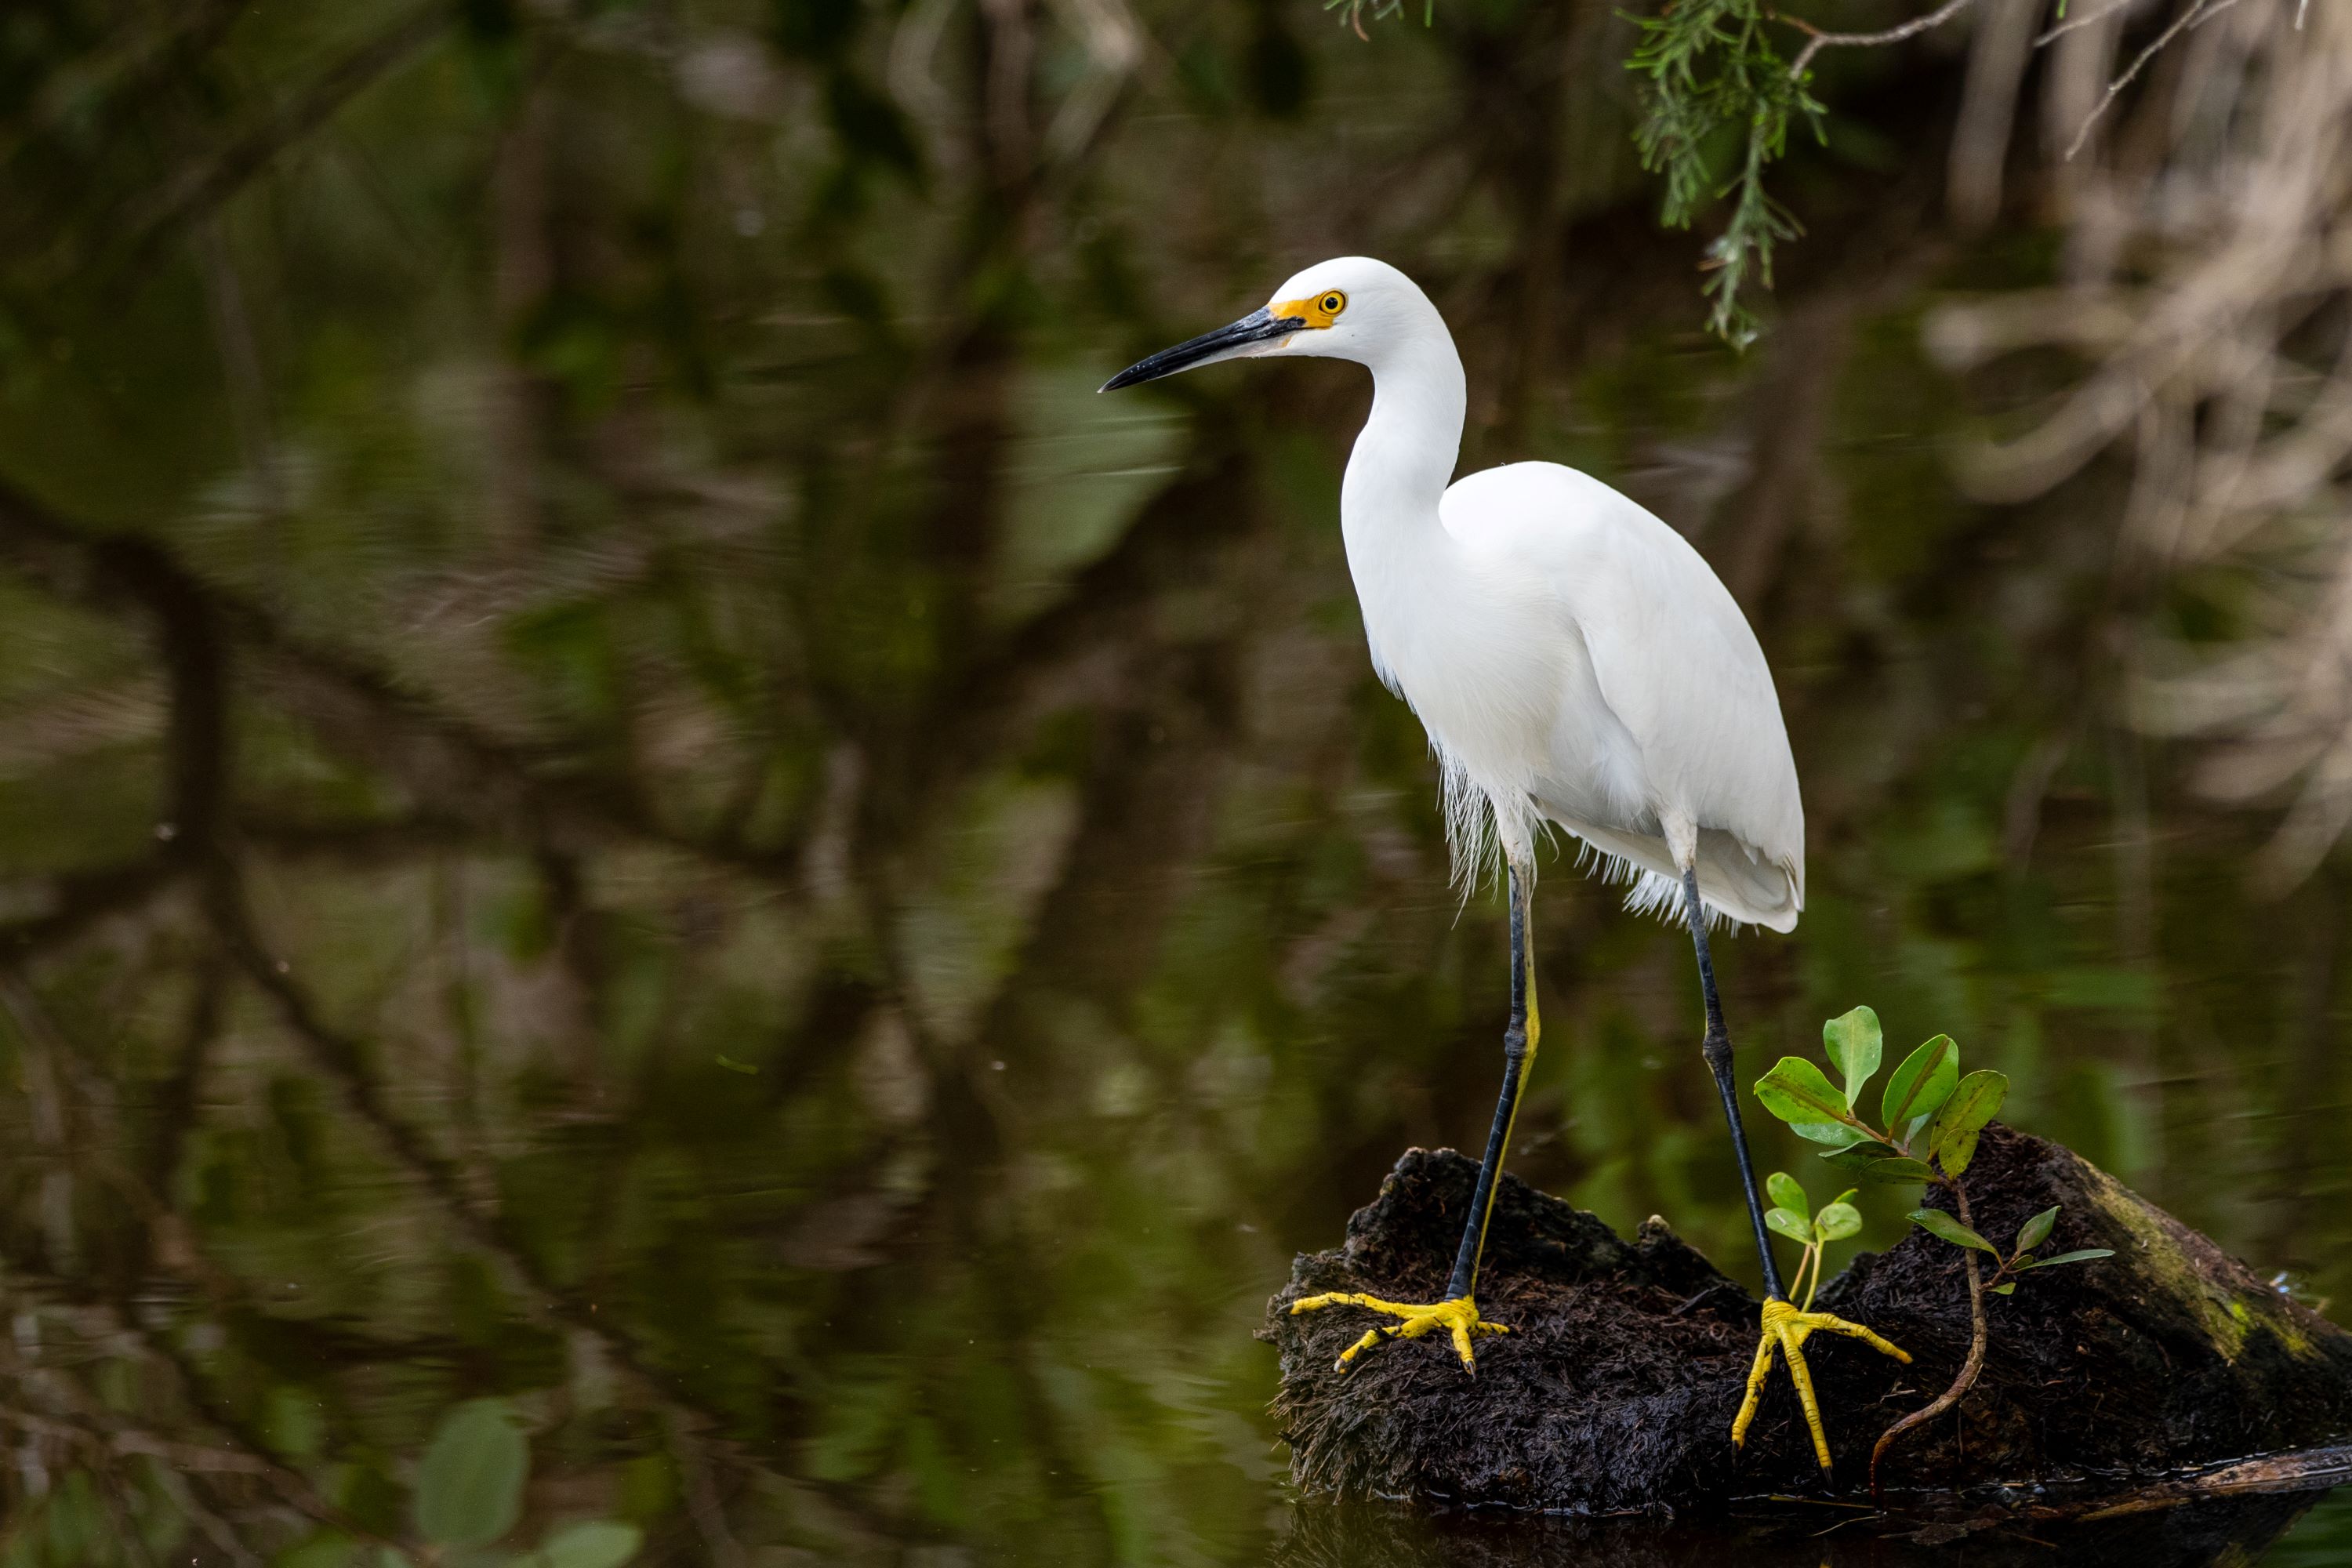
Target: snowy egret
1576,662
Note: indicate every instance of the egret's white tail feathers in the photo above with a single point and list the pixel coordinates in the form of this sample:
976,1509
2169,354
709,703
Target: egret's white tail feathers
1738,885
1735,883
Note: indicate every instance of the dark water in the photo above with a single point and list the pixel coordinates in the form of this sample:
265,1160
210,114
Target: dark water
1365,1536
651,875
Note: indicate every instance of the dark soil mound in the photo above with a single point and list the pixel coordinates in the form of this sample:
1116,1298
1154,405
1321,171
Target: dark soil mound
1617,1388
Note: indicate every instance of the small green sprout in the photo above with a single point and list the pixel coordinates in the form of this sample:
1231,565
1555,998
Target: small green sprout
1794,1216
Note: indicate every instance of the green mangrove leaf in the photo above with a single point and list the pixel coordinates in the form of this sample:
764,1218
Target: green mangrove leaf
1837,1221
1853,1042
1787,1192
1953,1136
1791,1224
1974,1100
1836,1134
591,1543
2008,1289
470,1483
1965,1115
1796,1092
1936,1223
1923,1082
2036,1231
1876,1164
2082,1255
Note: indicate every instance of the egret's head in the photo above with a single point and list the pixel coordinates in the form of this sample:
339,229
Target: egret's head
1351,308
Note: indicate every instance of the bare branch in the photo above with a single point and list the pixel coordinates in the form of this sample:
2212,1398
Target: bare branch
2197,15
1895,34
2085,19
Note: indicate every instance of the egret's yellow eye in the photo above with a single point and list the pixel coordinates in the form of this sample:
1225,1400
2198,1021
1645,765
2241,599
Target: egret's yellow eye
1315,310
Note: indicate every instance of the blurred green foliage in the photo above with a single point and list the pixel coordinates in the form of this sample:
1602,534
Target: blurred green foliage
628,821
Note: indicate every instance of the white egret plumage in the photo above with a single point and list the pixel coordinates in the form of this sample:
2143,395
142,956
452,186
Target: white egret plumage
1575,662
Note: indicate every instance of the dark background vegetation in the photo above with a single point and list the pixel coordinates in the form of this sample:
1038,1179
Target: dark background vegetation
619,791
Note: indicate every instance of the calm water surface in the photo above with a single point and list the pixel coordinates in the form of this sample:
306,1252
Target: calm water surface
659,890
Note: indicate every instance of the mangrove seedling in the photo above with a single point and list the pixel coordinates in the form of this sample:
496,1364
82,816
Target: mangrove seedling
1930,1118
2030,1235
1793,1214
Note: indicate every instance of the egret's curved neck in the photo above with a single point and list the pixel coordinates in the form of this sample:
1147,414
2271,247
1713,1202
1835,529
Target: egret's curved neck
1403,462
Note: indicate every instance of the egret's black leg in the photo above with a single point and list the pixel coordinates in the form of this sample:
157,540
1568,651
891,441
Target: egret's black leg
1717,1051
1457,1315
1784,1328
1519,1055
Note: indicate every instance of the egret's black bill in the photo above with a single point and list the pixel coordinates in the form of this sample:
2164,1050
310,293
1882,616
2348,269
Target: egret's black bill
1256,327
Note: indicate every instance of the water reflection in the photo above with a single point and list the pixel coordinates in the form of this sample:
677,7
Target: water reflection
1368,1536
626,817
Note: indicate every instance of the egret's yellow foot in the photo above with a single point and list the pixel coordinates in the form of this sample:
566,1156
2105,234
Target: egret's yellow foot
1458,1317
1787,1329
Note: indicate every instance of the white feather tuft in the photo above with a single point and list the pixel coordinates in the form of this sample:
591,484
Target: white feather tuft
1647,892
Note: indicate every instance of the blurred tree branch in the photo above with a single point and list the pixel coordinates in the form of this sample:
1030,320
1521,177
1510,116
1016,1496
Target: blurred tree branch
462,769
2213,364
150,222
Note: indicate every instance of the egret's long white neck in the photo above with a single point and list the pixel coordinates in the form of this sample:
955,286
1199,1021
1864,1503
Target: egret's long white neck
1403,462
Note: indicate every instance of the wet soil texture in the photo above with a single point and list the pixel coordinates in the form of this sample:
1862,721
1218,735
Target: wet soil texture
1616,1389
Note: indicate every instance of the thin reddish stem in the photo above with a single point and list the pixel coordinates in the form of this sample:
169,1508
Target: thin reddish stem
1969,1368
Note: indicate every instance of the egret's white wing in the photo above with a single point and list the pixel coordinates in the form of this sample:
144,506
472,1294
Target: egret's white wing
1677,666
